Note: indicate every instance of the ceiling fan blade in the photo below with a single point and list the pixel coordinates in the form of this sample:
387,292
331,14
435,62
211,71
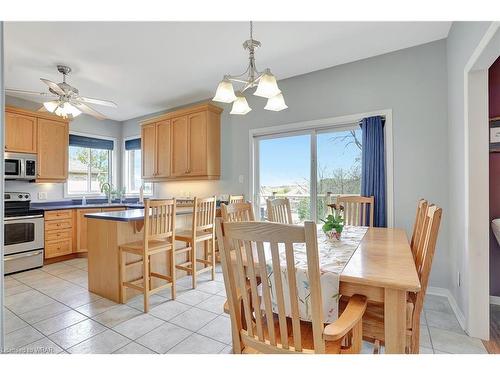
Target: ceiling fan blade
54,86
89,111
107,103
26,92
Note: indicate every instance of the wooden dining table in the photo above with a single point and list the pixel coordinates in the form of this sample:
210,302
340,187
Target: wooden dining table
383,270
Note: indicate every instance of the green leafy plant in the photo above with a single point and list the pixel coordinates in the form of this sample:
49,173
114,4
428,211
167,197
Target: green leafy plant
333,222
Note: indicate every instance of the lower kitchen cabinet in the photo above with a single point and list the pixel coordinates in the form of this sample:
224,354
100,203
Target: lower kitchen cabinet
58,233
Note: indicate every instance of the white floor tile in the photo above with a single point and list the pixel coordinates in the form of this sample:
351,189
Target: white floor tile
452,342
443,320
163,338
192,297
21,337
116,315
193,319
213,304
138,326
134,348
12,322
169,310
42,346
27,301
77,333
138,301
96,307
218,329
58,322
45,312
437,303
103,343
197,344
21,288
212,287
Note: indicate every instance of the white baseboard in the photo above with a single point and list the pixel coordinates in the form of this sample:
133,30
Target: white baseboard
453,303
494,300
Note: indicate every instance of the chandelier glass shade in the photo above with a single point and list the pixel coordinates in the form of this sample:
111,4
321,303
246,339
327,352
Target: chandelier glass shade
62,109
265,81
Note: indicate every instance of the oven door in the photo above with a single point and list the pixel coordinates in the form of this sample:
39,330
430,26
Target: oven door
23,234
13,168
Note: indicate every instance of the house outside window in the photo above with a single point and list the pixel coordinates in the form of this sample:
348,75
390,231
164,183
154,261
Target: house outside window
89,165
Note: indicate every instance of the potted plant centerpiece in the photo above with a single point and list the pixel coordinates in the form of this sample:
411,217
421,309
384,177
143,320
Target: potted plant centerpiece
334,223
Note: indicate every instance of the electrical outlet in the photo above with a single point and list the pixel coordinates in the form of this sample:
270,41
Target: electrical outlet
241,178
42,195
459,280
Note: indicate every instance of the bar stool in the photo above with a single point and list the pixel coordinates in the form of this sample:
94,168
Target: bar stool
202,230
159,235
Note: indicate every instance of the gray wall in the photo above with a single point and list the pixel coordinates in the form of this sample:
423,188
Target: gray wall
462,41
411,82
82,124
2,116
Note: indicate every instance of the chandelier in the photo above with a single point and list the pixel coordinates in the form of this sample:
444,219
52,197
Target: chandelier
264,81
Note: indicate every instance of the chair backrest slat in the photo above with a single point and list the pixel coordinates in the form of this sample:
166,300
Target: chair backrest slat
261,249
240,211
279,211
420,218
358,211
159,219
204,210
236,199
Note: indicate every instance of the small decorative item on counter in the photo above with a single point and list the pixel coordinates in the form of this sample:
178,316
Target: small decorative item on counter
141,194
334,223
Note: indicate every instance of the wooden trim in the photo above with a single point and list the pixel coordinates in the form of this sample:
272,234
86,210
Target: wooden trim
37,114
183,112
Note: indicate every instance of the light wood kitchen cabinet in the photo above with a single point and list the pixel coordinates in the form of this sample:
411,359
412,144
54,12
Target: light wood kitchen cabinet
81,228
53,145
179,146
58,233
20,133
148,146
186,147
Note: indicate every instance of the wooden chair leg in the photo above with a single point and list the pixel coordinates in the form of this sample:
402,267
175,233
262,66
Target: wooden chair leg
146,278
212,255
173,272
193,262
122,275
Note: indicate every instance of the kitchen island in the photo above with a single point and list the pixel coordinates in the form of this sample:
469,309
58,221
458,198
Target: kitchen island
106,231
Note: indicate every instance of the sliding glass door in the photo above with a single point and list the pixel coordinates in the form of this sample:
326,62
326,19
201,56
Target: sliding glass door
307,167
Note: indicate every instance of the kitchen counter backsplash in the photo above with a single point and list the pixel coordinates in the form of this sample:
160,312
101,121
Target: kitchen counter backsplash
77,203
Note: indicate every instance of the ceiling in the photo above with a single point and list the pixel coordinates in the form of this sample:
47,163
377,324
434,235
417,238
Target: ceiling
149,66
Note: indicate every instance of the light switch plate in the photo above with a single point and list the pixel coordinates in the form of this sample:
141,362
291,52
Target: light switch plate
241,178
42,195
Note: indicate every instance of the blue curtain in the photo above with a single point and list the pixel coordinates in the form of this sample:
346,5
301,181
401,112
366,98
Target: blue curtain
133,144
373,166
89,142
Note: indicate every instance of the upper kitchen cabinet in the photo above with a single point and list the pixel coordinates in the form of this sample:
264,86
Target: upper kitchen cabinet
20,132
53,145
39,133
182,145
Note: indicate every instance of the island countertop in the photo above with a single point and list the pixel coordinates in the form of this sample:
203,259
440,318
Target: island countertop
127,216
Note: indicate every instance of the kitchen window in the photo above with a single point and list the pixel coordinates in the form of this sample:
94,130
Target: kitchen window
132,170
89,164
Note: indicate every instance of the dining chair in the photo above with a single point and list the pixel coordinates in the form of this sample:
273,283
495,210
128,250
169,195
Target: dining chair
240,211
255,326
417,235
159,234
358,211
202,231
236,199
373,320
279,211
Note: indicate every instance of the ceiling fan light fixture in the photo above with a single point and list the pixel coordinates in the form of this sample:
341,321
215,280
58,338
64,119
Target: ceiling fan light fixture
240,106
225,92
51,106
276,103
268,87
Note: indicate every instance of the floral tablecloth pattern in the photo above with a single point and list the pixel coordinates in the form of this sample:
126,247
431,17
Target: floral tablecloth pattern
333,257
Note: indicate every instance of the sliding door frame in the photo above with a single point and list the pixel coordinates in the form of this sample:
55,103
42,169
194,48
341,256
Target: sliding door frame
313,128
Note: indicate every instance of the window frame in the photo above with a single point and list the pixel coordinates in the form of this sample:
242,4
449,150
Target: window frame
125,172
112,179
313,128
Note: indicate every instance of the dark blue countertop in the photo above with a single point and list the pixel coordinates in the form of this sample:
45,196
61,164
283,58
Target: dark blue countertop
91,203
127,216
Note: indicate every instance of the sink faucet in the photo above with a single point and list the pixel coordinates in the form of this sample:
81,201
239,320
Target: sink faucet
107,185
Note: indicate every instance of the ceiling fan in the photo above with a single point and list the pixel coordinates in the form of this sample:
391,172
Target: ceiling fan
66,99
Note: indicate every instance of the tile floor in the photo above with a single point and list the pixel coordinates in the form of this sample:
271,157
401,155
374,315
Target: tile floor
49,310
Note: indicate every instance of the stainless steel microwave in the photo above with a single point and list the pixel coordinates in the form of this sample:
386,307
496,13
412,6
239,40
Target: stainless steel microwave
20,166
